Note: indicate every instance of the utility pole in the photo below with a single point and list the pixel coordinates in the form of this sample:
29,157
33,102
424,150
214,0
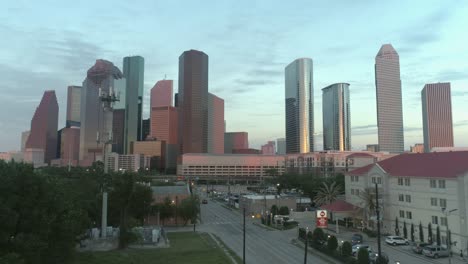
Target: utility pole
377,210
305,249
243,251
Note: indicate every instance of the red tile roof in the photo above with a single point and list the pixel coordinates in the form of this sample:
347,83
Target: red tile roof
339,206
360,155
429,165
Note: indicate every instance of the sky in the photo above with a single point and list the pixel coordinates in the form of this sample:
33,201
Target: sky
49,45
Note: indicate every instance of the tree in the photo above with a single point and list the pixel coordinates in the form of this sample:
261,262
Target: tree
189,209
328,193
397,227
367,203
405,230
429,233
412,232
421,233
438,235
140,203
274,210
332,244
363,256
284,210
346,249
166,209
318,236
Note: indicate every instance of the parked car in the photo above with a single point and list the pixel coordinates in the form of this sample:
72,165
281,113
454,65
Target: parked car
356,248
204,201
418,247
373,257
356,239
435,251
396,240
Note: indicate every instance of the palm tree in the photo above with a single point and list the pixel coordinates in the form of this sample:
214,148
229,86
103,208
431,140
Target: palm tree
327,194
367,203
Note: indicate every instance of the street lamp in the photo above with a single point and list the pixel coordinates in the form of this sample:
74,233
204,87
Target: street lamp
305,250
449,243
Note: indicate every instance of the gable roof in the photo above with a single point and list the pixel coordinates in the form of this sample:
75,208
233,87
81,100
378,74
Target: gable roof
339,206
428,165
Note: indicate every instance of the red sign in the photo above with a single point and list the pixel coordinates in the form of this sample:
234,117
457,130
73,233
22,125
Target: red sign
322,219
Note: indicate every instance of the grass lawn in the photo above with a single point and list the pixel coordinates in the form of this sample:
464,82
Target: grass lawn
186,247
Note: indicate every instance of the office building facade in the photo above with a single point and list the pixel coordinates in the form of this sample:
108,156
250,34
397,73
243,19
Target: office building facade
193,102
215,137
389,102
161,94
73,106
336,117
299,106
437,116
281,146
44,124
235,140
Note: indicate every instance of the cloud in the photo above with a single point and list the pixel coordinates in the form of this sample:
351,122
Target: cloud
460,123
459,93
452,75
252,82
364,127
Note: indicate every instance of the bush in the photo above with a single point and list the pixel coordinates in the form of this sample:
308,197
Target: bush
350,260
370,233
346,249
290,224
318,237
381,260
302,233
332,244
284,210
363,256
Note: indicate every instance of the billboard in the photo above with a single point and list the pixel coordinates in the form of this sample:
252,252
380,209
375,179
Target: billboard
322,219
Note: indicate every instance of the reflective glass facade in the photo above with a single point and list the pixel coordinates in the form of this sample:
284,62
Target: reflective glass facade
336,117
299,106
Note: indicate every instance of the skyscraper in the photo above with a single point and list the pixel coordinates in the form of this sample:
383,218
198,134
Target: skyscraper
389,105
336,117
193,102
215,124
95,126
133,71
299,106
163,126
161,94
281,146
437,116
235,140
73,106
44,124
24,139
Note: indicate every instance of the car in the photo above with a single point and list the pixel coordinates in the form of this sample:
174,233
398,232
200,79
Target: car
435,251
356,239
396,240
373,257
418,247
356,248
204,201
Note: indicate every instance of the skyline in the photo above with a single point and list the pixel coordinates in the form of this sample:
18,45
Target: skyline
248,54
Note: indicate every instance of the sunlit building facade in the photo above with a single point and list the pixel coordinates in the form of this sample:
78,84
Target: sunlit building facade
336,117
215,124
235,140
73,106
161,94
299,106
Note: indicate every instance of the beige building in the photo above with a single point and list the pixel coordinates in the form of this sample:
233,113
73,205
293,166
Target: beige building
155,150
416,188
259,204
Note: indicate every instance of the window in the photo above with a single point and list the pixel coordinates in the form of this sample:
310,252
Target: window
442,184
402,214
401,198
352,191
435,220
400,181
373,180
356,178
407,182
443,221
409,215
433,201
408,198
357,191
379,180
443,203
433,184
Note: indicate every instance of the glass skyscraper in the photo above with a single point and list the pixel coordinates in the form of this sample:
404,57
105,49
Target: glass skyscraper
133,71
336,117
299,106
389,105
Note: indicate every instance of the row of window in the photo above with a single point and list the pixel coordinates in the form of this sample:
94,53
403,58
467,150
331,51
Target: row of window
377,180
433,184
442,202
403,198
409,214
354,178
354,191
435,220
406,181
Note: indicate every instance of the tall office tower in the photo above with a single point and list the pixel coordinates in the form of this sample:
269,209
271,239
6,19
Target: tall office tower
215,124
24,138
133,71
372,147
235,140
73,106
193,102
44,124
281,146
70,145
59,145
176,100
437,116
161,94
145,128
118,130
95,125
389,106
299,106
164,122
336,117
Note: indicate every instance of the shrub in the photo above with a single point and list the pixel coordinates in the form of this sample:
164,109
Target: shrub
284,210
363,256
346,249
332,244
302,233
318,236
370,233
290,224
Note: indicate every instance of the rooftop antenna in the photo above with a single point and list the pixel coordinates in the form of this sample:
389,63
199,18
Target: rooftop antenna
165,76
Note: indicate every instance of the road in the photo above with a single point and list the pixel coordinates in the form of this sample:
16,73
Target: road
262,246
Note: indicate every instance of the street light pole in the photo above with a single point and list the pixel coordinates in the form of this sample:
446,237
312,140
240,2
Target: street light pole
449,234
243,250
305,248
377,210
